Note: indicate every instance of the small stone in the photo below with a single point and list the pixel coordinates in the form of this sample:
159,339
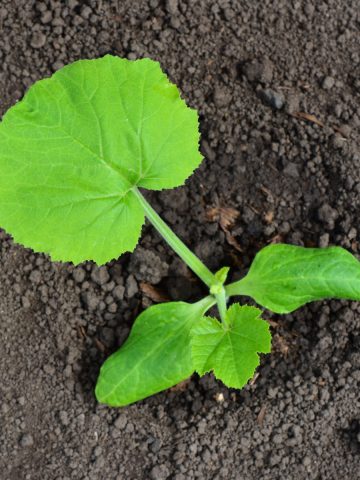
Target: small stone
112,308
46,17
172,7
26,440
72,4
120,422
86,12
25,302
306,461
131,286
91,301
328,83
159,472
274,99
64,419
38,40
324,240
116,273
327,215
100,275
79,275
291,170
292,102
97,451
118,292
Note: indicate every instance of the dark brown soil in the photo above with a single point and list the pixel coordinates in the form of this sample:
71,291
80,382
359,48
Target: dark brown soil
248,67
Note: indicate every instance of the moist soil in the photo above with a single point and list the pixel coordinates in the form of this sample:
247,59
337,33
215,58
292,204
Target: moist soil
270,174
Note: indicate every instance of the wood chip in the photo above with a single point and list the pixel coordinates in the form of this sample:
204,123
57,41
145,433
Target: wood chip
309,117
99,345
180,387
155,294
81,331
225,216
261,416
253,380
233,242
269,217
280,345
277,238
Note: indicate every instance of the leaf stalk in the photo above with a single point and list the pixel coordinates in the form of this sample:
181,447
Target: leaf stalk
191,260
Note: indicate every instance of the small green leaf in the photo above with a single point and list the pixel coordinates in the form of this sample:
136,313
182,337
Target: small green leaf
156,355
282,278
231,350
221,275
72,150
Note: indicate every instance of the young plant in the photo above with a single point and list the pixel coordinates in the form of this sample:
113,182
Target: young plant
74,154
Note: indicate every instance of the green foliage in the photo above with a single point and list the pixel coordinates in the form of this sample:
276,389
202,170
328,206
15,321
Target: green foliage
72,150
73,153
282,278
230,349
156,355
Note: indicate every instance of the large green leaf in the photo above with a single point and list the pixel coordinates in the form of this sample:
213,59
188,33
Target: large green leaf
231,350
156,355
284,277
72,150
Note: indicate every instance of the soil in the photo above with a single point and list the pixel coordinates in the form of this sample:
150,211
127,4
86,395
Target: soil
248,67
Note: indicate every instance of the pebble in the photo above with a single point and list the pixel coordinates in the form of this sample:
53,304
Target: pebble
159,472
324,240
46,17
64,419
118,292
100,275
38,40
25,302
120,422
90,300
274,99
328,83
131,286
26,440
291,170
79,275
172,7
327,215
86,12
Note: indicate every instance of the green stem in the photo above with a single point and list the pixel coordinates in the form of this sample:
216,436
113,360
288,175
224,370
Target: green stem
191,260
206,302
233,288
221,304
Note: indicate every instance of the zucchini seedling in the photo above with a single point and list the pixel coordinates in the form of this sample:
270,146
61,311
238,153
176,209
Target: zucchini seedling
76,155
